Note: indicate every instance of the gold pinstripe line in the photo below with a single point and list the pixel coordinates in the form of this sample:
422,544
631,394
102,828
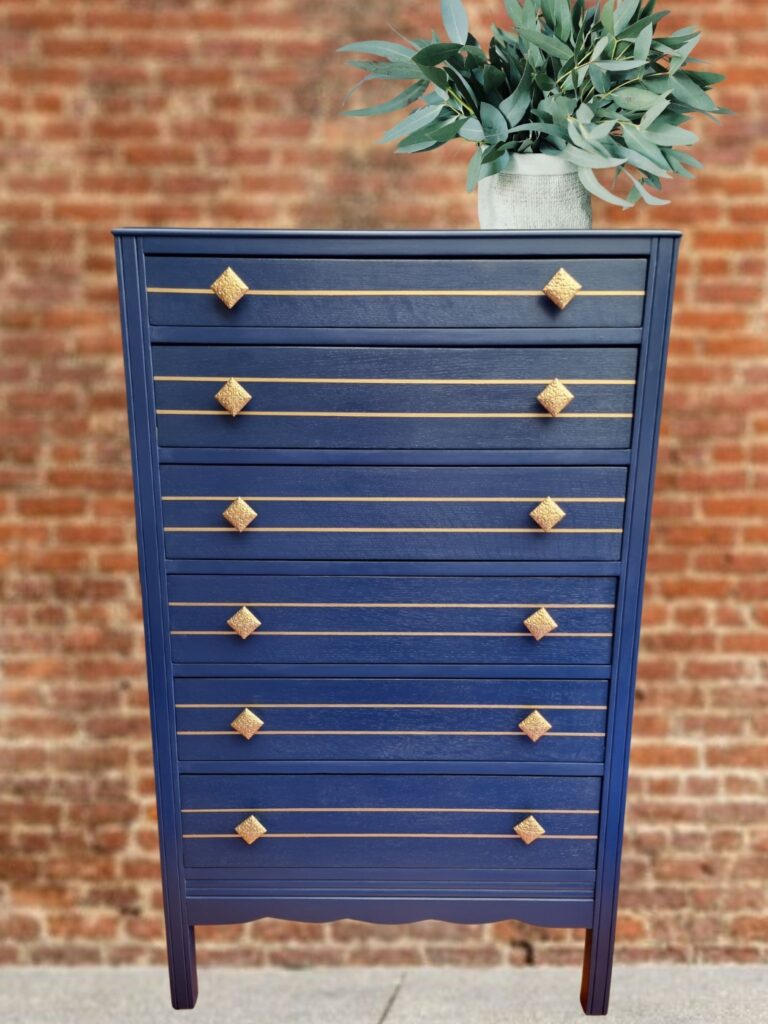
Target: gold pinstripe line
387,810
260,497
386,292
372,835
460,381
379,732
341,604
379,529
319,632
406,415
407,707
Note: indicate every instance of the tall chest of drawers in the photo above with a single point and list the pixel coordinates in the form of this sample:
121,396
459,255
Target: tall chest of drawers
393,493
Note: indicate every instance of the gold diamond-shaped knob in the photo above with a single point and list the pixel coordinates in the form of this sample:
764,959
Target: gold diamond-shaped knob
534,726
233,397
529,830
547,515
562,289
244,623
247,724
555,397
250,829
239,514
540,624
229,288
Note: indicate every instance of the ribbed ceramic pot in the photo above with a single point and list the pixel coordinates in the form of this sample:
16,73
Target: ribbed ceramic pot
535,191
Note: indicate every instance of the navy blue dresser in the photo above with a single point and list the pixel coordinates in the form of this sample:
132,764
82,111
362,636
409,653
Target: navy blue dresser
393,494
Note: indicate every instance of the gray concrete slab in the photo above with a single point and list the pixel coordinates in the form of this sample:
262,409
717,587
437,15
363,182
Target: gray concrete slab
130,995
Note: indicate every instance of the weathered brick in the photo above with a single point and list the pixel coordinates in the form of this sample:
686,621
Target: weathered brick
199,124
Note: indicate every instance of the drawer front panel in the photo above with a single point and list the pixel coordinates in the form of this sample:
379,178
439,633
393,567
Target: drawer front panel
399,821
391,619
400,719
324,397
394,292
391,513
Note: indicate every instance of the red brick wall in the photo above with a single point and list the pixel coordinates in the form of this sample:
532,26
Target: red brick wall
210,113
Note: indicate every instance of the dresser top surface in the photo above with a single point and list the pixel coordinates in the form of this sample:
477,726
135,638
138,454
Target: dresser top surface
321,233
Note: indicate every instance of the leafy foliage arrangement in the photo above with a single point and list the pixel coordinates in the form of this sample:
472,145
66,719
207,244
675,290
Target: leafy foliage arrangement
593,84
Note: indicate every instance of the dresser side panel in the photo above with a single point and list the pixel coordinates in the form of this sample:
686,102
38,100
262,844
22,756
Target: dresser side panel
598,961
138,373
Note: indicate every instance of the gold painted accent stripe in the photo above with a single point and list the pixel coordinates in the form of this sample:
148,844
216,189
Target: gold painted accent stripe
341,604
321,632
379,732
408,415
465,381
411,292
408,707
373,835
387,810
377,529
260,497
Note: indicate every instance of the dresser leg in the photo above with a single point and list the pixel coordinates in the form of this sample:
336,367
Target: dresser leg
596,975
182,967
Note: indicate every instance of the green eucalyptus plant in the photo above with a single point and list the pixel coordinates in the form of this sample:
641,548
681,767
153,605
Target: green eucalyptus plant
594,84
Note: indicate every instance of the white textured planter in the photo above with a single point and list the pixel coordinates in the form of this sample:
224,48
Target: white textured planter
535,191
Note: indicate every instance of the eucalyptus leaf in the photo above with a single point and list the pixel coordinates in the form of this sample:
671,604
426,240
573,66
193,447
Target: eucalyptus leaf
672,136
493,78
619,65
639,160
646,195
494,123
589,181
632,97
437,76
682,55
455,20
378,48
473,170
554,130
607,17
643,42
418,119
463,86
593,81
441,131
487,170
403,99
418,147
599,79
435,53
514,107
678,166
639,141
394,69
689,159
625,12
549,44
690,94
704,78
598,132
653,112
472,130
583,158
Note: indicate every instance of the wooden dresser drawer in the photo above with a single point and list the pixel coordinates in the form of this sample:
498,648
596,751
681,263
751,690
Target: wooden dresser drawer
390,719
394,292
392,513
333,397
378,821
365,619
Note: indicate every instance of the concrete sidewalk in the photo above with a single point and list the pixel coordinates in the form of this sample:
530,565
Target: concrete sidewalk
539,995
